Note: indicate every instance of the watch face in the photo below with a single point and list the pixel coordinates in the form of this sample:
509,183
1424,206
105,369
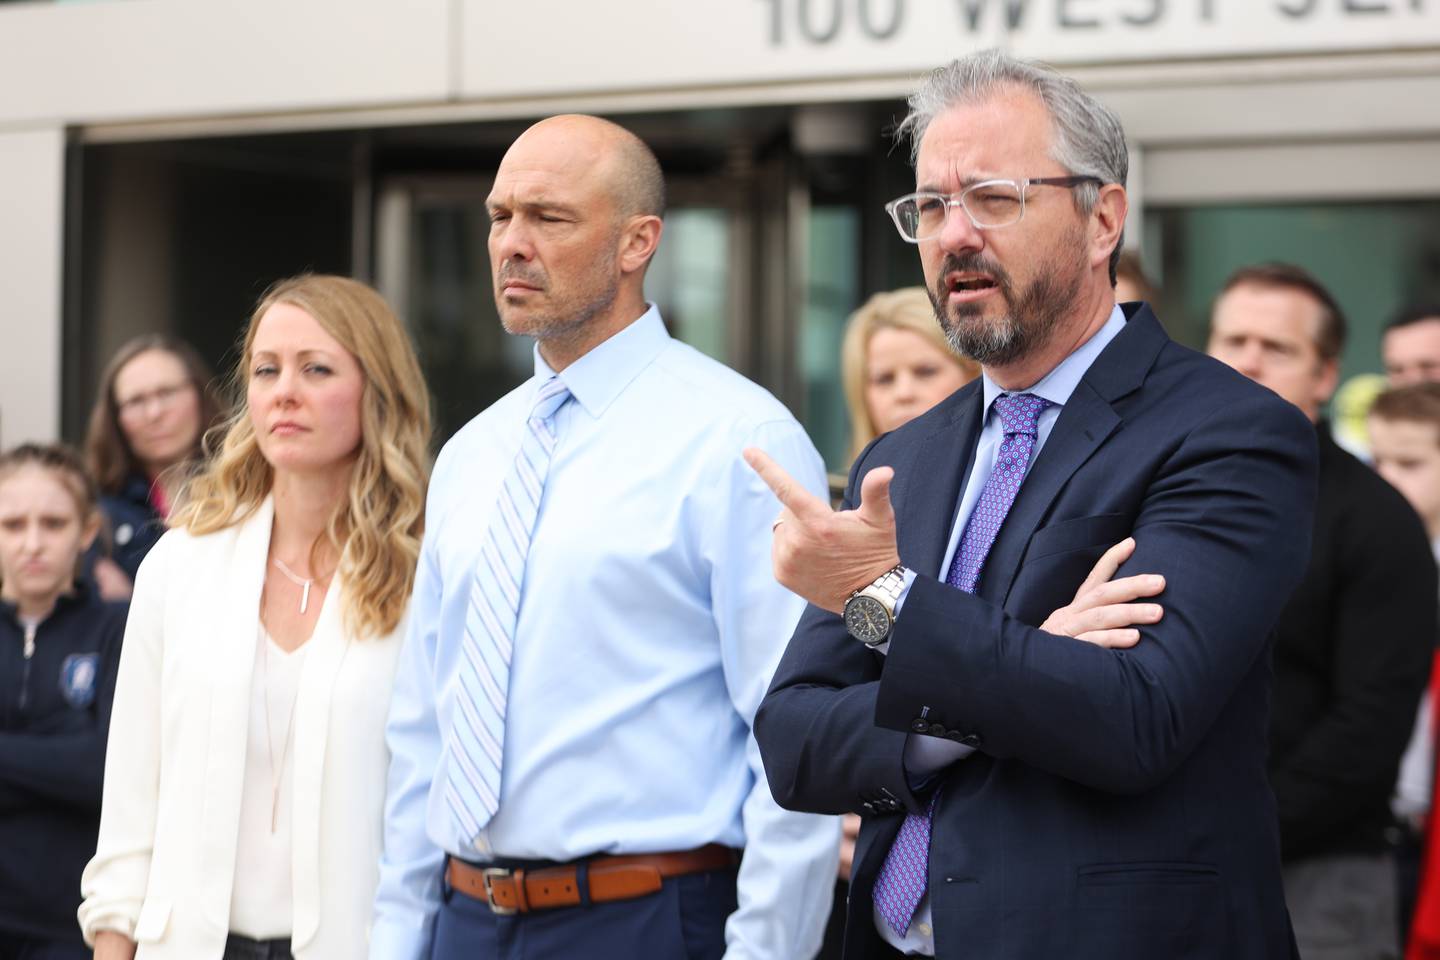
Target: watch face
867,620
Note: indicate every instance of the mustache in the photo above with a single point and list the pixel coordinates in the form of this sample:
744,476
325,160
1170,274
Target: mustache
510,270
973,263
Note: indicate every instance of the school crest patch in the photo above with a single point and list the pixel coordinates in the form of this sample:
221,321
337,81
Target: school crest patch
77,679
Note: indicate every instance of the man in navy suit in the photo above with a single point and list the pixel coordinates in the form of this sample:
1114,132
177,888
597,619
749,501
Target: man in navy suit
1027,794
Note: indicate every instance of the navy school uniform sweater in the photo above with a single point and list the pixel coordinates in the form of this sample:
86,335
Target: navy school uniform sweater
57,682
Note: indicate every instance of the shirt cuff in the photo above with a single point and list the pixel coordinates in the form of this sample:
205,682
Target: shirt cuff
909,578
391,940
926,756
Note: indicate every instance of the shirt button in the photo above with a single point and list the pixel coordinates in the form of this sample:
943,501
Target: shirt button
925,930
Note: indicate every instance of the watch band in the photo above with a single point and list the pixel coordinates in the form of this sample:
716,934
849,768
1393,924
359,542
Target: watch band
887,587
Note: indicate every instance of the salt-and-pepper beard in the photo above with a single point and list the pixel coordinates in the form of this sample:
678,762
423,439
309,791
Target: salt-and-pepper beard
1024,327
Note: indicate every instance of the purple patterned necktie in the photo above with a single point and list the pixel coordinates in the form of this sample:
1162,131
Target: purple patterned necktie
902,881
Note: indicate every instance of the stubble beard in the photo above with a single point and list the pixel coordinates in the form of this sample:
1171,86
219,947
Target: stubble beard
565,322
1031,317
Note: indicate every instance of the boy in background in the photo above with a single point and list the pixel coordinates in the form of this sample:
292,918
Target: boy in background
1405,442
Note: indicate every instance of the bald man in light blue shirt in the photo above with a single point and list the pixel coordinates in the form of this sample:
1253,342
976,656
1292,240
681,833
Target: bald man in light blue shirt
648,621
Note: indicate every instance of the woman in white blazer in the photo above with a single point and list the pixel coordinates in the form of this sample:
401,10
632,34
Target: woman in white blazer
245,778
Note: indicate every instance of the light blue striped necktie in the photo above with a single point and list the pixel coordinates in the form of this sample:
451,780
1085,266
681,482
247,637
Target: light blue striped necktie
477,735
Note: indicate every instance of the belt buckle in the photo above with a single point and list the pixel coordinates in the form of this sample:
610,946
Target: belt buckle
489,874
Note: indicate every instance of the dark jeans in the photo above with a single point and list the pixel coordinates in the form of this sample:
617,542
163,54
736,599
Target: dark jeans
27,948
1407,848
243,948
685,920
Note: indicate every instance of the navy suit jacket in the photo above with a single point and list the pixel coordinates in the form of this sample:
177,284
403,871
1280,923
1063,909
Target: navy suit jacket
1117,805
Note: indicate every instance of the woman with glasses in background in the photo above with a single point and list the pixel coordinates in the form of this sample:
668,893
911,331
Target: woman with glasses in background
155,403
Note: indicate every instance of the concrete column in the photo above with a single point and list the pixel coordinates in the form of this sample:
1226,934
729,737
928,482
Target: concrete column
32,216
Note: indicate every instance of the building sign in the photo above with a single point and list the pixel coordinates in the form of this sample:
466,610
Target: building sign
1240,23
643,44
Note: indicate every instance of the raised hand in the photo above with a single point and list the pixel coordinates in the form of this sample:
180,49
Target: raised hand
822,554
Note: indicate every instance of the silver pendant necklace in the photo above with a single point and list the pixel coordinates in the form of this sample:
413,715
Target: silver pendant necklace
299,581
277,774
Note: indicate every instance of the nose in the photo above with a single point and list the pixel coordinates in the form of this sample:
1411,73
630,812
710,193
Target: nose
958,234
286,384
30,542
151,407
1250,360
510,240
904,390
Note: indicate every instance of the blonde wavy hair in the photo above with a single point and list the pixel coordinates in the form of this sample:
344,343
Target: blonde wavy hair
908,308
376,529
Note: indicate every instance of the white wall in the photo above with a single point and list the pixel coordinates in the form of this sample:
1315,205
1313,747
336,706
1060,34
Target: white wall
136,61
32,164
1198,83
130,60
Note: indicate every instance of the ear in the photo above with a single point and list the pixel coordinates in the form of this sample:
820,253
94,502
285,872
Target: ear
1329,380
638,240
90,530
1107,222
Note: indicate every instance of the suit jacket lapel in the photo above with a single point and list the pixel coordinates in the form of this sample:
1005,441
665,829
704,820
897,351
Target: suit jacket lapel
1082,427
942,462
1084,424
325,654
229,658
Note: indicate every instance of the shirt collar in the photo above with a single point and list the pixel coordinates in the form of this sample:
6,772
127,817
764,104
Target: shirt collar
597,378
1057,385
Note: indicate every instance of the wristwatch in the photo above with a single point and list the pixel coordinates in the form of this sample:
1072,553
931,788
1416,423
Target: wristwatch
870,611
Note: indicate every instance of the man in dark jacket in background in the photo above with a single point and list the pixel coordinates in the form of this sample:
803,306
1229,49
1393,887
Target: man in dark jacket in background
1353,646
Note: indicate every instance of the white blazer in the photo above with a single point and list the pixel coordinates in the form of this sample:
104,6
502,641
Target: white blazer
165,863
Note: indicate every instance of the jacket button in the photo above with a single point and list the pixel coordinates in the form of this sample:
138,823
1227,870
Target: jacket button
971,740
919,725
938,730
868,807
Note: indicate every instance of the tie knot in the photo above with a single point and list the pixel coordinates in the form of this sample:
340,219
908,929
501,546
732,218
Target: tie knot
1020,412
548,399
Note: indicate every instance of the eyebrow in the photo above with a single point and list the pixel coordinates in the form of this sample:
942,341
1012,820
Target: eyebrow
966,182
302,355
542,203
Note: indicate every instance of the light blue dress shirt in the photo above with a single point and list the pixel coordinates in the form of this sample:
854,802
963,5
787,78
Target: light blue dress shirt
650,624
926,755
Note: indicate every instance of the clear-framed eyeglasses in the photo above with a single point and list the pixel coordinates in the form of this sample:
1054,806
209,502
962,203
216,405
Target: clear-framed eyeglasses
989,204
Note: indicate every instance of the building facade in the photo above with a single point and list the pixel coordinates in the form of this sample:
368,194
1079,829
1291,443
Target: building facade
163,161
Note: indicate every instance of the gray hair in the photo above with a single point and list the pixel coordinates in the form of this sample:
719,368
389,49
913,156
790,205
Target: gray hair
1089,140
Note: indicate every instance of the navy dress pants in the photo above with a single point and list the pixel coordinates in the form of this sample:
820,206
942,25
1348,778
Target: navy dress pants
685,920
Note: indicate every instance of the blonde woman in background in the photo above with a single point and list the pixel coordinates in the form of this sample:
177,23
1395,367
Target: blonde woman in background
895,364
246,770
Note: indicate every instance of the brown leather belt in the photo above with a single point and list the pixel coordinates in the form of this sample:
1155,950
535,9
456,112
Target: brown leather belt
507,891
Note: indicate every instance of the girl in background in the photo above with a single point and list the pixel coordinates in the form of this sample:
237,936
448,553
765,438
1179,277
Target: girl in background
59,648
